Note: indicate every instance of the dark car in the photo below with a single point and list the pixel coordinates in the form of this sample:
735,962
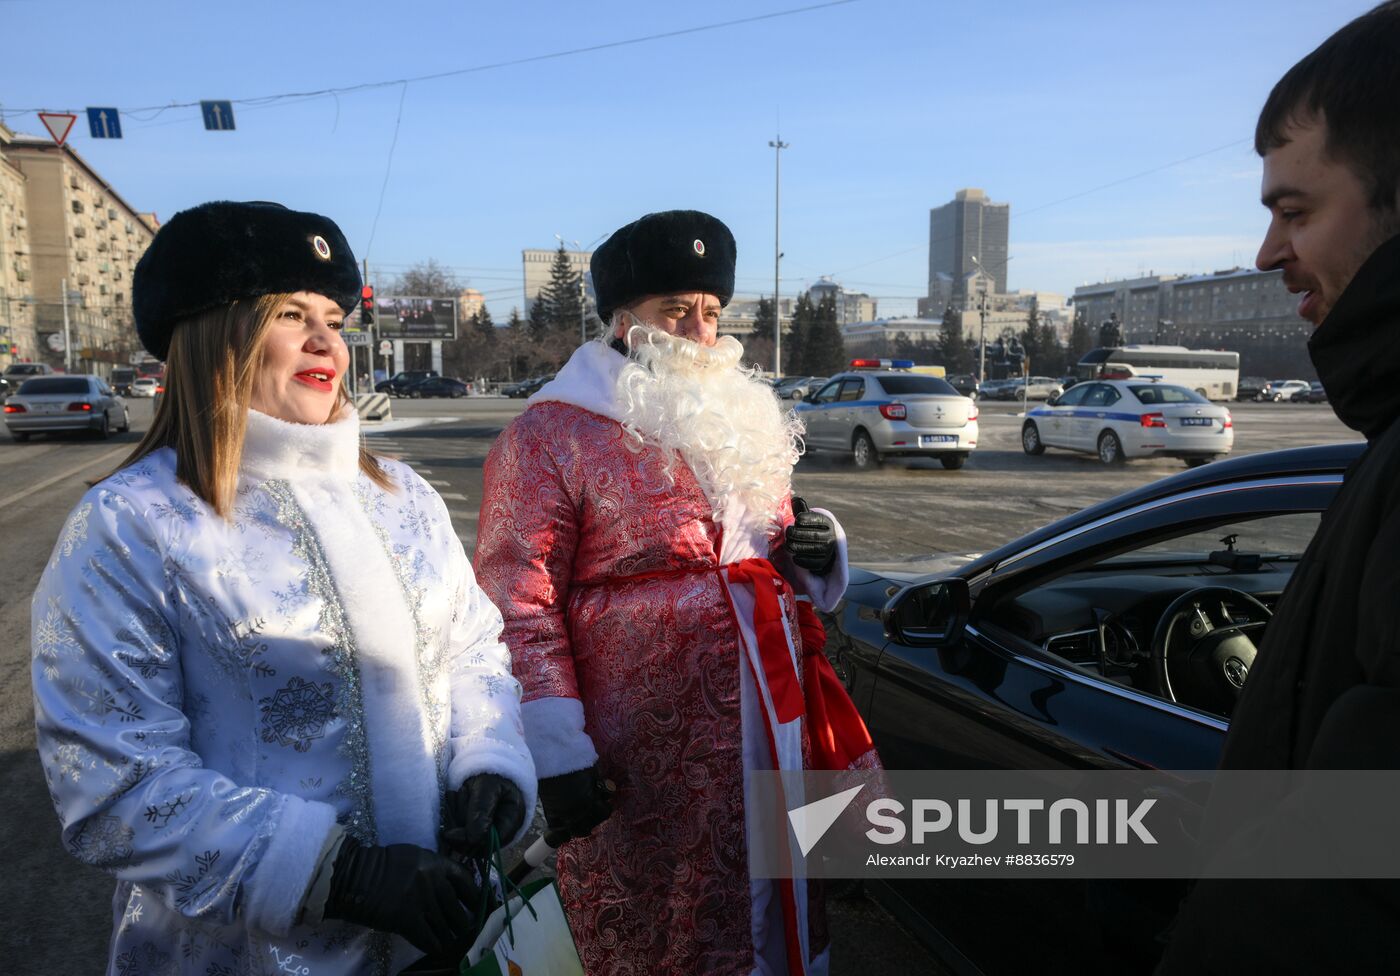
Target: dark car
524,388
1083,645
48,404
398,384
1250,387
1313,394
439,386
964,383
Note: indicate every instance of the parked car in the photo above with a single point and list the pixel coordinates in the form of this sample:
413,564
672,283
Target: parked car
439,386
992,389
1119,419
1281,390
1250,387
17,373
880,409
69,402
144,386
1054,657
1313,394
964,383
398,384
797,387
1034,387
525,388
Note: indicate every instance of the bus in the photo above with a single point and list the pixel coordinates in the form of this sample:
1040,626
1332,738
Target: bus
1213,373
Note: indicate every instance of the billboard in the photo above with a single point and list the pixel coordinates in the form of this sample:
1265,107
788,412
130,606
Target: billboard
416,318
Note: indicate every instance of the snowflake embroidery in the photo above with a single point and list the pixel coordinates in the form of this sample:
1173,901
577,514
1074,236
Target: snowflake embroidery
293,597
73,760
148,641
75,532
494,684
414,520
128,477
217,970
100,700
144,960
190,886
177,509
297,714
133,913
248,564
161,814
53,637
102,841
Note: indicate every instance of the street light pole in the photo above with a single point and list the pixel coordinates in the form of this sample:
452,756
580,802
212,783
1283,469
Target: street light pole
778,146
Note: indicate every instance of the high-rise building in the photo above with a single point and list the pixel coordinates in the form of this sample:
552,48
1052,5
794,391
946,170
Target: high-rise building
851,306
967,226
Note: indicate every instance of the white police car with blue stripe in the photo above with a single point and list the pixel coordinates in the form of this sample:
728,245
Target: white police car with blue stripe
1140,417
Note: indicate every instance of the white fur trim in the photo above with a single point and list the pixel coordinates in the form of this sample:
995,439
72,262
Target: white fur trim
274,448
554,733
825,591
274,895
403,771
588,380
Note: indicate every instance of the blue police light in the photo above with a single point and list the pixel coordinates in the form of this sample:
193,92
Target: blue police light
901,363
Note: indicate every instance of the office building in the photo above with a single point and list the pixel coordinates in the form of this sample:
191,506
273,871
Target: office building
969,226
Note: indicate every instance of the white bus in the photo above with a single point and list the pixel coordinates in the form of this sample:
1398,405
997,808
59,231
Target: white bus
1213,373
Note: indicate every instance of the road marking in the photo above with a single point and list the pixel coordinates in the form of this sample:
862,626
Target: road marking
437,484
453,496
28,453
100,459
459,514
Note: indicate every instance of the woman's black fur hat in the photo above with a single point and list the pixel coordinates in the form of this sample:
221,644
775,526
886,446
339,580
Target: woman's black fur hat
675,250
220,252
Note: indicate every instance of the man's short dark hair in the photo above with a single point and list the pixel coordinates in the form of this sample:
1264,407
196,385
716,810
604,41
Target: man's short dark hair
1352,82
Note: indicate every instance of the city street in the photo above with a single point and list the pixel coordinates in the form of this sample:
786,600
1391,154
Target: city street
58,911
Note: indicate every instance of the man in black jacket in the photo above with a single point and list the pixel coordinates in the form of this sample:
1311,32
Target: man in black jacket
1325,691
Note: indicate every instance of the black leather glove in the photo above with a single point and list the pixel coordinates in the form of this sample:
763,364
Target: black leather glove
482,802
811,539
576,802
406,890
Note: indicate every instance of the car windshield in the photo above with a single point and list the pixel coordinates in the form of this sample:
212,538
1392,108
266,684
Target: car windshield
912,385
1160,393
54,384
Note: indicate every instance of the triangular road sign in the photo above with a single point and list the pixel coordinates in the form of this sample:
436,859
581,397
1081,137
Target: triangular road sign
59,124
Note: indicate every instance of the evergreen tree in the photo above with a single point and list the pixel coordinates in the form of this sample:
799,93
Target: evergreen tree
482,322
763,322
795,341
541,315
824,348
562,295
954,351
1081,339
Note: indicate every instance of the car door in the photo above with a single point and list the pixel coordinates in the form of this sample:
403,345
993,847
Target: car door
1091,417
814,414
1055,427
843,415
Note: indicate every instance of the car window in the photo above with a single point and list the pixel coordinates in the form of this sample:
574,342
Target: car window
852,390
911,385
54,384
1072,397
1098,395
1160,393
828,392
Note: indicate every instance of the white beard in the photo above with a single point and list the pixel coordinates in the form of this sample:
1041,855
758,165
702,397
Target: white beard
696,402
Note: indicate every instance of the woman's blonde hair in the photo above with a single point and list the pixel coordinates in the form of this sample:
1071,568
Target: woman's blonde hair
209,373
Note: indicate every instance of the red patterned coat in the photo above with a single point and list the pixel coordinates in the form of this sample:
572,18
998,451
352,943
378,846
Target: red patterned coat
607,573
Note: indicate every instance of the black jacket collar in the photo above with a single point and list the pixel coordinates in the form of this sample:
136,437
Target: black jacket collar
1356,349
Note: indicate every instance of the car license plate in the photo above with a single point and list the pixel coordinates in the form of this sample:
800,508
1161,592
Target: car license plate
46,407
1196,421
928,440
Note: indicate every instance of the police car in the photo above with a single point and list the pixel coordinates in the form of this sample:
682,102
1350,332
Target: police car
880,409
1139,417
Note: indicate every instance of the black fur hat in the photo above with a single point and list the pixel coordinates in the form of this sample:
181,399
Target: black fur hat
675,250
220,252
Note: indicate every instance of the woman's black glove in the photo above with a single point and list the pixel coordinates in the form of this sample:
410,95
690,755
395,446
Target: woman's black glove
576,802
811,539
482,802
406,890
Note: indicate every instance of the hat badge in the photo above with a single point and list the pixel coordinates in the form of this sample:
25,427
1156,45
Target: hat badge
322,249
699,246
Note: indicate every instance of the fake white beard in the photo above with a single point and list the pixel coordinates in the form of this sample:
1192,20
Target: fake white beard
696,402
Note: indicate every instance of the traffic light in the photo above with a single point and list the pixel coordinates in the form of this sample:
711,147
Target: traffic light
366,306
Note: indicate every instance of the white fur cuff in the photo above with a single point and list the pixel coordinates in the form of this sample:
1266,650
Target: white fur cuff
554,733
825,591
284,874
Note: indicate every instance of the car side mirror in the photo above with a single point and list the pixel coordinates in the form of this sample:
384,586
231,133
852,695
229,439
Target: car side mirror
928,614
1053,399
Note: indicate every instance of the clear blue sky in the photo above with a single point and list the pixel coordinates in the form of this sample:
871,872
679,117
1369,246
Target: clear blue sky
889,105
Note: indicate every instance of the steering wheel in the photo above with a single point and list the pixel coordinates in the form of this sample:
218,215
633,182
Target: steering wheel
1211,669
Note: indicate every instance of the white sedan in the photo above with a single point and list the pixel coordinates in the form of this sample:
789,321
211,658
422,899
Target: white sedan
1118,419
144,387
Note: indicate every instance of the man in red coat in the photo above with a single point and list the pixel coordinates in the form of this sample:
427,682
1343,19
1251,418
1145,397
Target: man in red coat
637,533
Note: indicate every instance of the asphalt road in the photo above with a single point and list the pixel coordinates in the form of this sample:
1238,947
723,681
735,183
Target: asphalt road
57,912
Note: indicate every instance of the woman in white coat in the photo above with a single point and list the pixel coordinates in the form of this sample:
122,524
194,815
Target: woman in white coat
265,679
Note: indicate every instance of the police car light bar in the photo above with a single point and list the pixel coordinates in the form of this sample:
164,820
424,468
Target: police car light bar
882,364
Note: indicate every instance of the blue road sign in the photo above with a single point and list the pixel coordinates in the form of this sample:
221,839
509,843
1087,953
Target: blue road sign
217,115
104,123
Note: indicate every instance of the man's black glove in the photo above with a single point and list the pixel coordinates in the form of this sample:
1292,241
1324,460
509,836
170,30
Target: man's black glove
576,802
406,890
811,539
482,802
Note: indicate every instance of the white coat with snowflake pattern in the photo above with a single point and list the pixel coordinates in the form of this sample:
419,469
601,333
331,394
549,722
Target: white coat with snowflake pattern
213,695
